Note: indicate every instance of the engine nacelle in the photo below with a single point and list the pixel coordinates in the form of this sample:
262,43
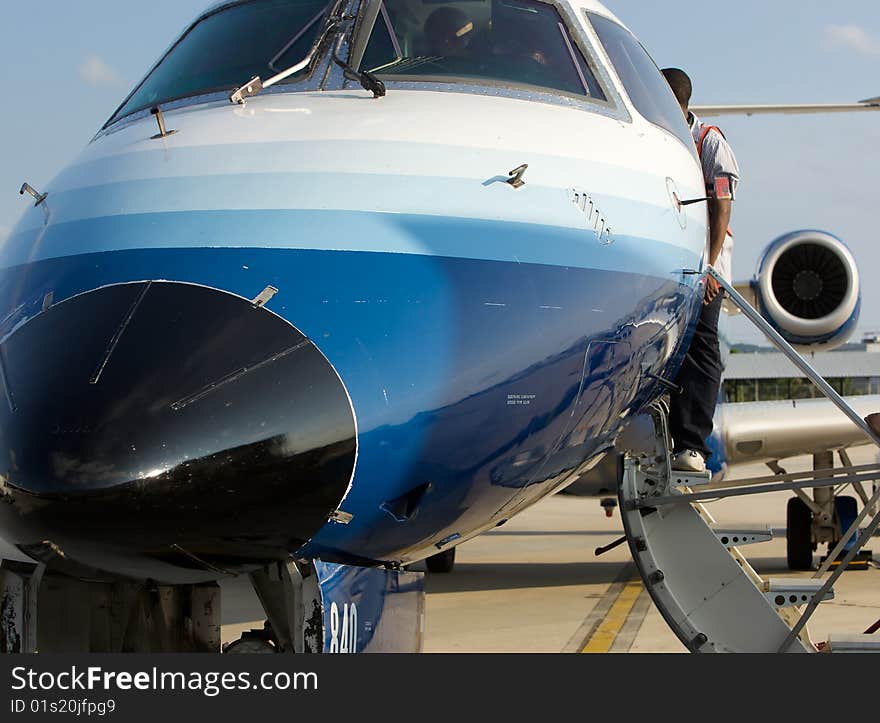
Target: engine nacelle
807,287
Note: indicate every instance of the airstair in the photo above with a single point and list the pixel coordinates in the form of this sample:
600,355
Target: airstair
698,578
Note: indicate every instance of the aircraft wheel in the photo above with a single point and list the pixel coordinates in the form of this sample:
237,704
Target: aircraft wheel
442,562
248,646
250,642
799,535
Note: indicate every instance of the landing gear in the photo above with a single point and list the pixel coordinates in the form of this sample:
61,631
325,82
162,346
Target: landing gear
291,598
799,537
310,606
49,612
442,562
253,642
824,518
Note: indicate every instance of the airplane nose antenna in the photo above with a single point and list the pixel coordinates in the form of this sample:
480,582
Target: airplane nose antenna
160,119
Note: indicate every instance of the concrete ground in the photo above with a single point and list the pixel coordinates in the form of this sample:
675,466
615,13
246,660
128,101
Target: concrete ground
535,585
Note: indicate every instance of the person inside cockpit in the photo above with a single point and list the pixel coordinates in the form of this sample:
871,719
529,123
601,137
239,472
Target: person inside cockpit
522,46
448,32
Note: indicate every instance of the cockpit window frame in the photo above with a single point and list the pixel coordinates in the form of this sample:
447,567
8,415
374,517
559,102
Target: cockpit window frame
613,105
328,78
600,48
212,94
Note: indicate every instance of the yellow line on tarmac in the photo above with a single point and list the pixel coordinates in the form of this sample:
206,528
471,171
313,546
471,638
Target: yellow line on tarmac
602,640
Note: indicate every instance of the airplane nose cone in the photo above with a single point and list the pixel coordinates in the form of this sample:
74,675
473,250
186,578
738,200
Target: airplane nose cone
173,421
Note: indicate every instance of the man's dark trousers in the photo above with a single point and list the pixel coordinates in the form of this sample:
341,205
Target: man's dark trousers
691,412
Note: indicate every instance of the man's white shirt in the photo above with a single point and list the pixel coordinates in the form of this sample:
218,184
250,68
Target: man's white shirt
717,160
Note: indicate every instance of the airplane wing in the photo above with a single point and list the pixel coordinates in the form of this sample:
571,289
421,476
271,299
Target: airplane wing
868,104
746,290
756,432
774,430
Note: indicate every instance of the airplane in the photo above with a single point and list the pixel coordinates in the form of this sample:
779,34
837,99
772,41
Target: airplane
335,289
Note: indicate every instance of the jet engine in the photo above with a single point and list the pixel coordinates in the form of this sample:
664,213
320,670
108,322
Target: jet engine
807,287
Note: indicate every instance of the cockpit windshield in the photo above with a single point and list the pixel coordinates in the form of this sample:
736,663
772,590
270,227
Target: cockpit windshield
507,42
230,46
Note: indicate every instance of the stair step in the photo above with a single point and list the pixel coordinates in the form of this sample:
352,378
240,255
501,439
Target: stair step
852,644
737,537
689,479
787,592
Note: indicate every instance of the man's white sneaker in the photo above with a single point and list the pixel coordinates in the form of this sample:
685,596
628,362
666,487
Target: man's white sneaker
689,461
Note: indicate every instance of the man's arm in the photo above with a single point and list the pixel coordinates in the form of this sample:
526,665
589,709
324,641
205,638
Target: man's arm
719,222
718,163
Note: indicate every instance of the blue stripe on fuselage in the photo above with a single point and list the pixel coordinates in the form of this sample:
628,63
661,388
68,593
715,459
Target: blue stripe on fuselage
351,231
481,379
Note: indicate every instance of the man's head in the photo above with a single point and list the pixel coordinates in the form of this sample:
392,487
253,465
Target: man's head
681,86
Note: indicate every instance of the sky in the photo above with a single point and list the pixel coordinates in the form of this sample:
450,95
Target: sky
65,66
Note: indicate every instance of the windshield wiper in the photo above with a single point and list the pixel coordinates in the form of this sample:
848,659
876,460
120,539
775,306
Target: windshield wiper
256,84
367,80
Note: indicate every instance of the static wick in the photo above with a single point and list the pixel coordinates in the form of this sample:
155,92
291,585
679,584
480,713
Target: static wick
160,119
29,189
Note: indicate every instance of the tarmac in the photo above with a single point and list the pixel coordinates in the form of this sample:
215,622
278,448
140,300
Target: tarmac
535,584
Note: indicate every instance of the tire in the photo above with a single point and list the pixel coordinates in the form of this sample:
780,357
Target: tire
442,562
799,535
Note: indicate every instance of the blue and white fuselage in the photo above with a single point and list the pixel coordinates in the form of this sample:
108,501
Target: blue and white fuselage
490,340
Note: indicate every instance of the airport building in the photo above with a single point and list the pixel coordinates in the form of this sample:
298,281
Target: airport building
766,376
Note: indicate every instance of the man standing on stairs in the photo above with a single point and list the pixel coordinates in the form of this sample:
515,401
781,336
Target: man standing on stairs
691,412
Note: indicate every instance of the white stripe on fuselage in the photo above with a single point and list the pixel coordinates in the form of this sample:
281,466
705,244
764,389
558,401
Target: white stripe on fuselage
412,152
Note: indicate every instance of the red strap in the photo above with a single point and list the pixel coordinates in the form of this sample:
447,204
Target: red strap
703,134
